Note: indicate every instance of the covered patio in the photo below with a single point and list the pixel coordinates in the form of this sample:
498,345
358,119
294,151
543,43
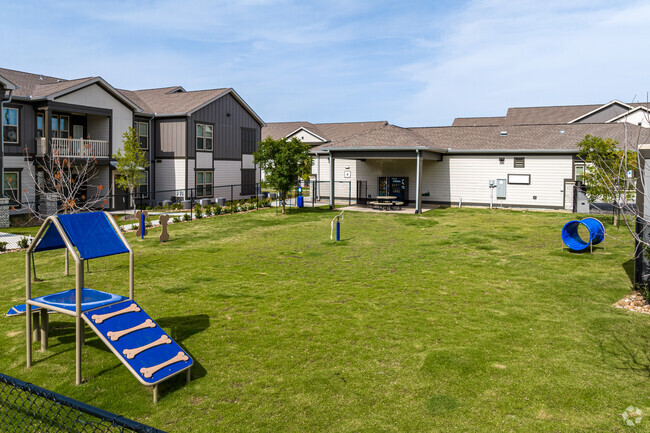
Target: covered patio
387,146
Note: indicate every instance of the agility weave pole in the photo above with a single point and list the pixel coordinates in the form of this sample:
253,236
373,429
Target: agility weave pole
339,219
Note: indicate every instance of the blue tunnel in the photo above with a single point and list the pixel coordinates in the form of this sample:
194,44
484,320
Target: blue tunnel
572,239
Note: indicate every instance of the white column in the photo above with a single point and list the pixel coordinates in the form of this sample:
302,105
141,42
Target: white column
318,179
331,182
418,183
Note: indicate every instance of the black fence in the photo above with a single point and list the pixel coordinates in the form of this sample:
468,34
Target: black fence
28,408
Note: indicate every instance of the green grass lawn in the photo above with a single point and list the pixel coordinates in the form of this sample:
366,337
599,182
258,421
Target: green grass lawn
456,320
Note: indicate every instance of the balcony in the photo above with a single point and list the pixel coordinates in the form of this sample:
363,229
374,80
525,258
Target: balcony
74,148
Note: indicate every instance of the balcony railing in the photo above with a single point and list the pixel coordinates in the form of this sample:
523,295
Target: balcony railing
75,148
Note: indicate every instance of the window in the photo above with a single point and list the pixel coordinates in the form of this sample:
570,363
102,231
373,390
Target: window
10,125
12,186
143,189
40,122
204,184
248,142
142,130
203,137
520,162
60,126
580,171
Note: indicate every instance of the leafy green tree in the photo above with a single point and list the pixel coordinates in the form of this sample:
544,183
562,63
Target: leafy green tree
131,162
606,174
283,161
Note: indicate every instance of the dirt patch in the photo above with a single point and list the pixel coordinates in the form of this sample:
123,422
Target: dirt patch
634,302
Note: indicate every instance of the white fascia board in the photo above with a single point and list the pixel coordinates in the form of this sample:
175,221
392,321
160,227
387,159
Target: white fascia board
627,113
8,85
302,128
615,101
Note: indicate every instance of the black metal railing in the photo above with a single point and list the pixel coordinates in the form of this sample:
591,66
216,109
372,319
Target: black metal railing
28,408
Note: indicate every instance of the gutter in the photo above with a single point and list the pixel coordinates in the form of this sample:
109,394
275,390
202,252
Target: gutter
449,150
2,142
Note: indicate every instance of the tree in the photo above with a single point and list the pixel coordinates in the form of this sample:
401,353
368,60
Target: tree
130,163
67,179
283,161
607,172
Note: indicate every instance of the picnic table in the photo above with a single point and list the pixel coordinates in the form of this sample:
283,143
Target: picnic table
386,202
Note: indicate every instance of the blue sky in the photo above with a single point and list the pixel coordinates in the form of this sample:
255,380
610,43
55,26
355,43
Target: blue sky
418,63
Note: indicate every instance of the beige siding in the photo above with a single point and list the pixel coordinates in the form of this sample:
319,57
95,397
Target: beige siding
99,128
95,96
170,175
173,136
17,163
461,176
306,137
342,185
203,159
227,173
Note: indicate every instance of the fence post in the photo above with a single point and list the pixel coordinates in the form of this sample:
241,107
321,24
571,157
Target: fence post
349,193
232,206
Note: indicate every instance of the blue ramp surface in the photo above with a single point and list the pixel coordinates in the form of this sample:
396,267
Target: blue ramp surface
139,343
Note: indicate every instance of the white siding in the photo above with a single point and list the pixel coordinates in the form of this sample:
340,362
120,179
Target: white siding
461,176
306,137
95,96
227,173
203,159
247,161
636,117
343,186
26,185
170,175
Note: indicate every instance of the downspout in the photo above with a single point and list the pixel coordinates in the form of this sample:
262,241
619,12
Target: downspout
151,170
2,143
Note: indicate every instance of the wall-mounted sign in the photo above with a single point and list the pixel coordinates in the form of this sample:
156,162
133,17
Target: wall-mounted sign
519,179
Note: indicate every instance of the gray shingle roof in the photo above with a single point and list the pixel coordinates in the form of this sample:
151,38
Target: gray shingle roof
167,100
386,136
479,121
527,137
328,131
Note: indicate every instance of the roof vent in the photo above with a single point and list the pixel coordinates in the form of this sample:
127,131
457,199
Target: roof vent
41,77
562,131
504,133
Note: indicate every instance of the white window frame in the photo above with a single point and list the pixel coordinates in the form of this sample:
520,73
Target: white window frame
204,137
144,182
204,184
137,131
17,125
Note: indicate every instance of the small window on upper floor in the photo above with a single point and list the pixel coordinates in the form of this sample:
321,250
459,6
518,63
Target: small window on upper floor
520,162
580,171
142,129
203,137
10,125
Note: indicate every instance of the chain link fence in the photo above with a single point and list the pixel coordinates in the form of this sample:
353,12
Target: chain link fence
28,408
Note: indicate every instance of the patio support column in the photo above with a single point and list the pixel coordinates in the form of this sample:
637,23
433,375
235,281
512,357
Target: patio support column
418,183
331,182
318,179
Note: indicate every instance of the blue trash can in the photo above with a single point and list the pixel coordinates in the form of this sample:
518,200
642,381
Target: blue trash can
300,201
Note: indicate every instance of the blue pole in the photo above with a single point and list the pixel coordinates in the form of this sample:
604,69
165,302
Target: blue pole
142,225
338,230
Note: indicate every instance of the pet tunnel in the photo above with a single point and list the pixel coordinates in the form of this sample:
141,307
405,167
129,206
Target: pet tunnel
572,239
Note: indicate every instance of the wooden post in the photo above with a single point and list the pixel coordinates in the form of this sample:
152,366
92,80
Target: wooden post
79,320
332,204
155,394
188,378
45,325
67,263
36,330
28,309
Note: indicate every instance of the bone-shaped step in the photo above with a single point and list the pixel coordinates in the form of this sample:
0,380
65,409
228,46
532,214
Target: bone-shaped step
116,335
131,353
99,318
150,371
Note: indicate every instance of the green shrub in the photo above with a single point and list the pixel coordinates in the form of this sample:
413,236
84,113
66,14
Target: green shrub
176,219
187,217
198,213
216,209
148,223
208,210
23,243
3,246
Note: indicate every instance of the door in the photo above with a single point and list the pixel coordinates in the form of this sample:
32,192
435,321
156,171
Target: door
362,192
78,132
121,198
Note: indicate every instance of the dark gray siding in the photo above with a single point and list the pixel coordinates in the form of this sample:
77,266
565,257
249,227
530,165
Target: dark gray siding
26,130
228,117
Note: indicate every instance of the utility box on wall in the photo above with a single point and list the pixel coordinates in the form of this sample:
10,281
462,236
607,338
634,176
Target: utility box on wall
501,188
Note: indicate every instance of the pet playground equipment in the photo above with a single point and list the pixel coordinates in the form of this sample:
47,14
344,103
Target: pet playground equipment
137,341
571,238
339,220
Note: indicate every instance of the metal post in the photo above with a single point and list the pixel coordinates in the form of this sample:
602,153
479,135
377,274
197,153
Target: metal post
318,176
79,322
418,183
28,308
36,330
155,394
142,225
349,193
232,209
338,230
